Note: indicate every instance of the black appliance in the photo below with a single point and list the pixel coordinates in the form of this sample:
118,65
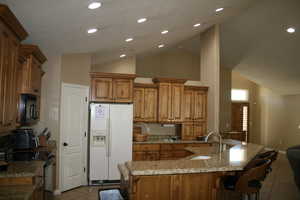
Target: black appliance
6,148
25,139
28,109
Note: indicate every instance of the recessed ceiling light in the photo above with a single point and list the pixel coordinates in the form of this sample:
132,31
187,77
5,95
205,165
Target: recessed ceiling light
164,32
123,56
92,30
142,20
291,30
129,39
95,5
196,25
161,46
219,9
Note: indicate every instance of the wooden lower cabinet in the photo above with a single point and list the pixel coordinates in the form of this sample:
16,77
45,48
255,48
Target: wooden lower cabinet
152,152
174,187
191,130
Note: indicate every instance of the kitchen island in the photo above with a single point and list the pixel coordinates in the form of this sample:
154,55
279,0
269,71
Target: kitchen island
193,177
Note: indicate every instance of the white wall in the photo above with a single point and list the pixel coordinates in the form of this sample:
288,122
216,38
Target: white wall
124,65
175,63
210,73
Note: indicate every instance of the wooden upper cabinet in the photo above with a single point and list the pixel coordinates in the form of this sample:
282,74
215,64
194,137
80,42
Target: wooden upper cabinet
164,102
170,103
145,103
11,34
123,90
102,89
200,105
32,69
138,103
195,103
110,87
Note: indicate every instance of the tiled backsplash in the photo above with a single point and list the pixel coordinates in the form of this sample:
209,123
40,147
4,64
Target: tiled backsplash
158,129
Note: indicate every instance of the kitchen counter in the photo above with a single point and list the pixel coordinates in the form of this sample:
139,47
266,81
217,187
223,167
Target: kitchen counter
235,158
164,141
22,169
16,192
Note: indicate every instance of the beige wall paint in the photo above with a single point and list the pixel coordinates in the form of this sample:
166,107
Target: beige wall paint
273,118
291,133
210,73
240,82
75,68
125,66
175,63
225,99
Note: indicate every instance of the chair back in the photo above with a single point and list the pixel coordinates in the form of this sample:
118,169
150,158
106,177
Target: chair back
252,175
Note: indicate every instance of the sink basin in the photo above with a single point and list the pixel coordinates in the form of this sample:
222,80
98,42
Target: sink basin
201,158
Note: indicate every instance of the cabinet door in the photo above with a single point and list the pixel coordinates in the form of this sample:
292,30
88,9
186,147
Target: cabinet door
138,103
152,156
35,76
188,105
139,155
187,131
199,129
150,105
200,99
152,188
164,102
9,84
122,90
177,91
101,89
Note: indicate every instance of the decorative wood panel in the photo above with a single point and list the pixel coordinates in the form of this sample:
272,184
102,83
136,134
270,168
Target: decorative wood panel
101,89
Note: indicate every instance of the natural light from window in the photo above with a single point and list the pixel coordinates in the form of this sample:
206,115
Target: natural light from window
239,95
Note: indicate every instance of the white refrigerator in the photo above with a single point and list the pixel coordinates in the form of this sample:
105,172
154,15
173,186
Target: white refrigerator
110,140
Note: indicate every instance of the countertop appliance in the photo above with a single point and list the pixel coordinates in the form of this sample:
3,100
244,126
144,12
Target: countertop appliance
25,139
110,140
28,109
6,148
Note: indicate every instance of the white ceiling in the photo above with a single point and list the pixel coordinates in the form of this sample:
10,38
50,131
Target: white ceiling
257,45
60,25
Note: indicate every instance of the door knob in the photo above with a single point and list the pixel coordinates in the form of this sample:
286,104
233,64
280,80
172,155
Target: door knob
65,144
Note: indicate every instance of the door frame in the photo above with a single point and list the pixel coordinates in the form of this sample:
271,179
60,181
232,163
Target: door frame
246,103
84,142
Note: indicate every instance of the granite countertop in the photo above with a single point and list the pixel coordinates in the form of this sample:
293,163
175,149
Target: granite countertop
235,158
16,192
22,169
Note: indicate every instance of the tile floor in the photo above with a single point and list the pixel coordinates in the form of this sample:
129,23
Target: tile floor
279,185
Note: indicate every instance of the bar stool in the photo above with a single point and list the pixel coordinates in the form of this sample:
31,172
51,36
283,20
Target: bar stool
249,182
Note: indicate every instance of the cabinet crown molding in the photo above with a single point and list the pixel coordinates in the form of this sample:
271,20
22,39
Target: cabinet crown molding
12,22
169,80
28,49
112,75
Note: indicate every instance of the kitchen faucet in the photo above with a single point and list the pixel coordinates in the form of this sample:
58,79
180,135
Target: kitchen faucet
220,140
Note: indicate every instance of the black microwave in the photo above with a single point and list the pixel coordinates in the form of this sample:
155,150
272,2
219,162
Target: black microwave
28,109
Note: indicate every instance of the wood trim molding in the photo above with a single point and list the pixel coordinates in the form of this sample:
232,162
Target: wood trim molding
145,85
111,75
28,49
12,22
169,80
191,87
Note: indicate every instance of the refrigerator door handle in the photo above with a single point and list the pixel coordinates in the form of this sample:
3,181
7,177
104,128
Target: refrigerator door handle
109,138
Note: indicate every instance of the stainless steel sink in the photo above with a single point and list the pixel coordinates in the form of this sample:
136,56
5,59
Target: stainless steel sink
201,158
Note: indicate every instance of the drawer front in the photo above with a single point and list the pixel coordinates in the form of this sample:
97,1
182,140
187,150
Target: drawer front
146,147
170,147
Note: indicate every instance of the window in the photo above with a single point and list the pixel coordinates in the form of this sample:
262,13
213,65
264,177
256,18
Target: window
239,95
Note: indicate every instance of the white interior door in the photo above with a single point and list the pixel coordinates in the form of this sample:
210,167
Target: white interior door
120,147
73,136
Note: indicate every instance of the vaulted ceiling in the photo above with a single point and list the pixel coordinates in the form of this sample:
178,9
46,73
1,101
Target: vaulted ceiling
257,45
60,25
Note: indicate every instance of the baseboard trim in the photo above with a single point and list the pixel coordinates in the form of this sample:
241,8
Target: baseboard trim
56,192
